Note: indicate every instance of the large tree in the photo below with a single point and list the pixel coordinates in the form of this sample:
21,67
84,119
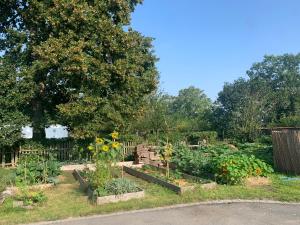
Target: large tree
269,96
192,109
280,76
15,96
90,69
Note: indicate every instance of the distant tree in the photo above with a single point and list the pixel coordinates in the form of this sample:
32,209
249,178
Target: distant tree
191,102
268,98
155,117
192,108
90,70
280,75
241,108
173,117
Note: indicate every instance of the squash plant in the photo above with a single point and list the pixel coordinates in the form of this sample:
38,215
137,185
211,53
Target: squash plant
34,169
233,169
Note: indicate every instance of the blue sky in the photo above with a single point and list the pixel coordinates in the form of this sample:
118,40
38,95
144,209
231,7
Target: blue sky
207,43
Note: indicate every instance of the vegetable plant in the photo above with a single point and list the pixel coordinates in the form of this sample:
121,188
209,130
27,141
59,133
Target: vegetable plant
166,156
105,152
34,169
233,169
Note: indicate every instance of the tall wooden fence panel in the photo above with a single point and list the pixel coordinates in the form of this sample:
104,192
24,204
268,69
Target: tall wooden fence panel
286,149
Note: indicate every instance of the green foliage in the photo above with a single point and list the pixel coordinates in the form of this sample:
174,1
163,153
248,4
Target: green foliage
165,117
78,64
195,162
7,177
233,169
264,139
105,153
195,137
166,155
289,121
34,169
106,150
261,151
202,161
191,103
120,186
15,94
30,198
270,97
99,177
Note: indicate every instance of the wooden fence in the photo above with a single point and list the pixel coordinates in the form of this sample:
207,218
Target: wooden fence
286,149
62,151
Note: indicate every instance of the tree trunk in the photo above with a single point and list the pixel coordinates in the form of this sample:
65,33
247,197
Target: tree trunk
37,122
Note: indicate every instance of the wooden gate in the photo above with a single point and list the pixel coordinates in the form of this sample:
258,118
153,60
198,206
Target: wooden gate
286,149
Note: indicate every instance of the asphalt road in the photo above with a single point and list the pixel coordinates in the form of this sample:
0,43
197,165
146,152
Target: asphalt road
215,214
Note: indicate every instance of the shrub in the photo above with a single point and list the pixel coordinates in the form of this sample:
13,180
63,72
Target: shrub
233,169
191,162
264,139
290,121
195,137
31,197
121,186
263,152
198,162
117,187
33,169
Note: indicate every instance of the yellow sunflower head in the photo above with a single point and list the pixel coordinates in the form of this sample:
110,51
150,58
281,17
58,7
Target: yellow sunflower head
115,145
115,135
99,141
105,148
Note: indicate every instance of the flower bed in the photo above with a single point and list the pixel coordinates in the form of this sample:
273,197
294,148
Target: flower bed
178,182
84,185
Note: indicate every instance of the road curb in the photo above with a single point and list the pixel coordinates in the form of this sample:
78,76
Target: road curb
216,202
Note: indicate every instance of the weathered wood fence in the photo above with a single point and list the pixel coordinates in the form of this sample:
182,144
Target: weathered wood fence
286,149
62,151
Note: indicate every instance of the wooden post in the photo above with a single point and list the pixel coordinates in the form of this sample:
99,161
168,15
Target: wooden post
3,158
12,158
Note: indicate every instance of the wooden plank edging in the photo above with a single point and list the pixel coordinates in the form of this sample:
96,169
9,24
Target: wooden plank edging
84,186
152,179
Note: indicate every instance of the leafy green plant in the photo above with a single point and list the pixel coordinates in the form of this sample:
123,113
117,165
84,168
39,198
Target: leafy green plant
31,197
195,137
233,169
105,153
166,155
198,162
120,186
7,177
33,169
261,151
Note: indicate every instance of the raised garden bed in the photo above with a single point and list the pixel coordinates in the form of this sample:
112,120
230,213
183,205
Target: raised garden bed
105,199
180,184
83,184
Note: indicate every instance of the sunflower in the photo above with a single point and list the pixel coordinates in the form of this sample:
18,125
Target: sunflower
115,135
105,148
99,141
115,145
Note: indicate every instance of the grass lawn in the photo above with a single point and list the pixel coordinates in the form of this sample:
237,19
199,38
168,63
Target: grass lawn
5,176
66,200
